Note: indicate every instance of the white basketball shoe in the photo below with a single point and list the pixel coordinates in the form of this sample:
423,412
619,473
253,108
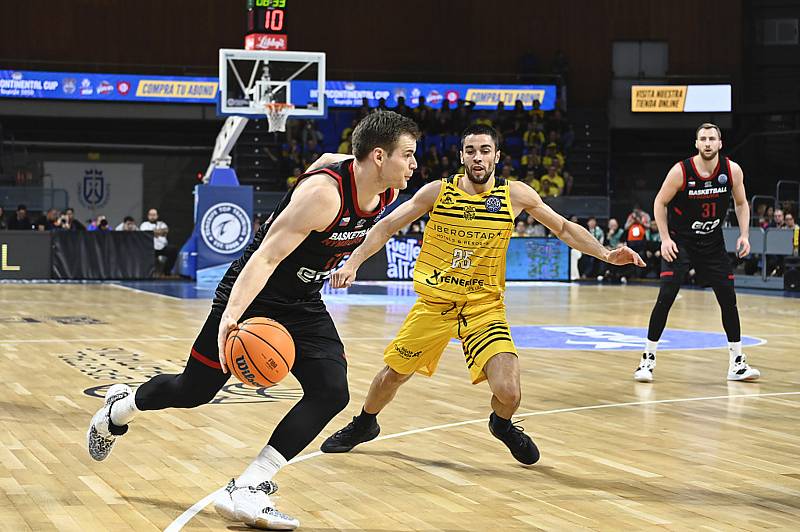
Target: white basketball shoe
253,506
739,370
102,432
644,373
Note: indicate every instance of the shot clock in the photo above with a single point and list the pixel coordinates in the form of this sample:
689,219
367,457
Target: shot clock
266,25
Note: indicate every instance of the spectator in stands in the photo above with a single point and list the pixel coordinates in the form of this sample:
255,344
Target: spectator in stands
589,264
614,234
431,157
462,115
310,132
94,223
506,174
652,254
555,179
160,242
533,162
637,212
568,182
792,226
778,219
500,118
635,237
548,188
483,119
401,107
71,223
292,179
520,229
346,145
536,112
50,221
127,224
530,178
535,228
364,110
3,223
553,157
533,133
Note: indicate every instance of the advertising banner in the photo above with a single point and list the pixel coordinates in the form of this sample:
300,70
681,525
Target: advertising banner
111,189
25,254
528,259
351,93
681,98
108,87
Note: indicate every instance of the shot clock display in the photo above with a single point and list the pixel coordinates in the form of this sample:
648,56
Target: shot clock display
266,25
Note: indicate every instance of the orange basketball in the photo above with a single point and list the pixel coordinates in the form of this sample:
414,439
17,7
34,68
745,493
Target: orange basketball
260,352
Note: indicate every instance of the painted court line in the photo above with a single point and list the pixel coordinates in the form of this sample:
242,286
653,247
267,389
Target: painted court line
196,508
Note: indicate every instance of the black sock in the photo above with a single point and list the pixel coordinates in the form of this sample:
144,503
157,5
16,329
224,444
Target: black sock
366,419
498,423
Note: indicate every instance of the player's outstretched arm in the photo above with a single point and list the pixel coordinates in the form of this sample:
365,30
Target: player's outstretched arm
313,207
671,186
742,209
413,209
327,159
575,236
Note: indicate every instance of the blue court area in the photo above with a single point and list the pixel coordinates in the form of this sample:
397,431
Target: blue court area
558,336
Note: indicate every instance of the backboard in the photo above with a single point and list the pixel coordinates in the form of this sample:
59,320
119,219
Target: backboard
248,79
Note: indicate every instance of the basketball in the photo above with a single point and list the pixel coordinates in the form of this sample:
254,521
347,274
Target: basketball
260,352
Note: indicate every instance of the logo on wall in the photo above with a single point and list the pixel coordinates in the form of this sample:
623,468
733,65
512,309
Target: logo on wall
401,257
93,192
226,228
69,86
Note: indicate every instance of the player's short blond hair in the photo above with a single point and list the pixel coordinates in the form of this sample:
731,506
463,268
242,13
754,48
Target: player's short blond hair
709,125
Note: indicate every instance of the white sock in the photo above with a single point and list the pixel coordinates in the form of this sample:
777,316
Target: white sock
650,347
264,467
734,351
124,410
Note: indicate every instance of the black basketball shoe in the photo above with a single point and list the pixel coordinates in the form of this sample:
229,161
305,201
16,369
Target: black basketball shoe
520,444
354,433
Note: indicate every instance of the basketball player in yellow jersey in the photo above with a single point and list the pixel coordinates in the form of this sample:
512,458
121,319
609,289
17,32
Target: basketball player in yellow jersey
460,279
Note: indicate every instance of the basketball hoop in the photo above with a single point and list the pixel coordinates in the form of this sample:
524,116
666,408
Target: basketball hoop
277,114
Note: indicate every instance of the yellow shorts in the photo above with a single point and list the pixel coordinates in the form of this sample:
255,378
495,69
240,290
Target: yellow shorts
429,327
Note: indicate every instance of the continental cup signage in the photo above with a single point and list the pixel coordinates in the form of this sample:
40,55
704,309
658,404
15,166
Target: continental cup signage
680,98
491,97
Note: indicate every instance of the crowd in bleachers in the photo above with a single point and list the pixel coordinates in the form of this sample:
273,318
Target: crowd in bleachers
535,144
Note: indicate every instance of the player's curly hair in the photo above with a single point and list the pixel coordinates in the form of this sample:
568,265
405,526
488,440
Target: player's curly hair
381,129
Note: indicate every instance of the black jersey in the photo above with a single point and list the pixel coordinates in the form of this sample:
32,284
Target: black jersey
302,274
699,207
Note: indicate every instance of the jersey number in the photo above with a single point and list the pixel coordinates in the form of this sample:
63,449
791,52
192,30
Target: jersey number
461,259
709,210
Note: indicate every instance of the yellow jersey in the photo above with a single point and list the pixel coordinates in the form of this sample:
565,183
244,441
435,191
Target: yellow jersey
463,254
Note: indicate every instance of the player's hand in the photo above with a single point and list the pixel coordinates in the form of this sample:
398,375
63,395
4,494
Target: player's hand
226,325
742,246
343,277
669,250
625,255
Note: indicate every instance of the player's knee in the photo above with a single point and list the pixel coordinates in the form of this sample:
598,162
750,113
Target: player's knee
334,395
726,295
389,378
509,394
667,294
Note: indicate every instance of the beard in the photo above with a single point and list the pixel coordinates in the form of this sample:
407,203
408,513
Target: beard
708,157
487,175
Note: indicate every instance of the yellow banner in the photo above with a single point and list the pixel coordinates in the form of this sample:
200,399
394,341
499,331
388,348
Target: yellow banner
507,96
157,88
658,98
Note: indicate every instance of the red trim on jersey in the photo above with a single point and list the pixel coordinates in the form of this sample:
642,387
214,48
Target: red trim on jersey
205,360
354,192
730,173
713,174
678,211
667,274
393,193
338,179
683,170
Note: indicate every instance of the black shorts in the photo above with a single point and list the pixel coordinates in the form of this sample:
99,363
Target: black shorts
307,320
708,258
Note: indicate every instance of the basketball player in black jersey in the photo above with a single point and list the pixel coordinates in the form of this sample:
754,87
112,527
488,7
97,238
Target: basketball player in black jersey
694,198
319,222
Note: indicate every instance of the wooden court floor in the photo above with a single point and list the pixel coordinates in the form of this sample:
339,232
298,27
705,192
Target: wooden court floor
688,452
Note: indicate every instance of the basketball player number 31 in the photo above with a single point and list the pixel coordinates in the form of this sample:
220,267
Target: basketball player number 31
461,259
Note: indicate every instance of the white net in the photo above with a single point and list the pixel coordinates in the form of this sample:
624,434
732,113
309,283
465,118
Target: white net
277,114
